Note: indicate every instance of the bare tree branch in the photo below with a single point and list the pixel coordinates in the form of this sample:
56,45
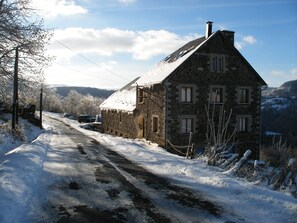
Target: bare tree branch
19,27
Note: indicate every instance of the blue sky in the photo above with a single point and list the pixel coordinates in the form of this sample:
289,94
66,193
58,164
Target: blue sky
105,44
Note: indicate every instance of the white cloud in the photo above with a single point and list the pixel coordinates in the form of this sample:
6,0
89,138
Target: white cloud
141,45
111,49
127,1
54,8
246,40
278,73
238,45
249,39
156,42
294,73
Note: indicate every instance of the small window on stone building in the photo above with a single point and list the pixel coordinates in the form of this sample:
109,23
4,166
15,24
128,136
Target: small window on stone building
155,124
243,123
120,116
187,94
217,64
140,95
217,95
243,95
187,125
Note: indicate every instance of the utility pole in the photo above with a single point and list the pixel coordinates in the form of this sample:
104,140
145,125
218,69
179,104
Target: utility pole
15,104
40,108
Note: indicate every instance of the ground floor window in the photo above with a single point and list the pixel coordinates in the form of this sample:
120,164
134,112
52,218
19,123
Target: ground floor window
187,125
155,124
243,123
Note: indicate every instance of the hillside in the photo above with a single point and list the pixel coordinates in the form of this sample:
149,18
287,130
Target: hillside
279,111
288,89
102,93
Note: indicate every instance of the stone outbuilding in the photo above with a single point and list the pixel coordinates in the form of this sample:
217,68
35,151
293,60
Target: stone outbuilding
172,99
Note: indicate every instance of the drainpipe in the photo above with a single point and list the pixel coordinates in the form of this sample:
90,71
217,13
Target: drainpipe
262,88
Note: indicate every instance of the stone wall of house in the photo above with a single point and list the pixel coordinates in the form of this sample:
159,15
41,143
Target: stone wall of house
196,73
151,106
119,123
161,104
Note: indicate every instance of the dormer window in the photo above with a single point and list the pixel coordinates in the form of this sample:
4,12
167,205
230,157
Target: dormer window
217,64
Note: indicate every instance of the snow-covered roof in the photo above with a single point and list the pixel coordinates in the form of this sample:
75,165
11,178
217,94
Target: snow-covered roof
165,67
123,99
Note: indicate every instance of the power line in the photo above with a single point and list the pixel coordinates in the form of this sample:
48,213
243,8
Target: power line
87,59
79,71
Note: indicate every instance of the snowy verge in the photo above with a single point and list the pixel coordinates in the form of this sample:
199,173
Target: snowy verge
19,173
251,202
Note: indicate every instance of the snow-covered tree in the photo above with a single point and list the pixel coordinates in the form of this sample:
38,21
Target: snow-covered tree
71,103
52,101
21,28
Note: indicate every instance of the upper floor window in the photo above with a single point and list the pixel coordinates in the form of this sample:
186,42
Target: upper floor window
140,95
187,94
243,95
217,63
217,95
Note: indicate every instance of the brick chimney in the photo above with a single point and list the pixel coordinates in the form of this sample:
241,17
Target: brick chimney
208,30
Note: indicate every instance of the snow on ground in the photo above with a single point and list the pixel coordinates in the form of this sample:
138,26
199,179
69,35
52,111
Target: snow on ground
7,141
278,103
20,171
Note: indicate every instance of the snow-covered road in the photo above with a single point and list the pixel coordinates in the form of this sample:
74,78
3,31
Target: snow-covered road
79,180
86,182
67,176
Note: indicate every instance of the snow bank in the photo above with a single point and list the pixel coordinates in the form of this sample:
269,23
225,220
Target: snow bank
19,173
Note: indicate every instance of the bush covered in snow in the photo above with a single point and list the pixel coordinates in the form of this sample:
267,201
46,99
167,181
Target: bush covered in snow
278,170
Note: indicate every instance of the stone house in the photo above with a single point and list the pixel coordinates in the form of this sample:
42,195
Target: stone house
169,102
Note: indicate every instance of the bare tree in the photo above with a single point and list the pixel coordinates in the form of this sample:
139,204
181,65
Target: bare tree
20,27
219,135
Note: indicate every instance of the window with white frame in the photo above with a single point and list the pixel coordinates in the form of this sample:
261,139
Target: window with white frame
243,95
186,94
217,95
187,125
155,124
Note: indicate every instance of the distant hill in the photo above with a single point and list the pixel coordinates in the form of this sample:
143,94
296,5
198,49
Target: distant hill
279,111
102,93
288,89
